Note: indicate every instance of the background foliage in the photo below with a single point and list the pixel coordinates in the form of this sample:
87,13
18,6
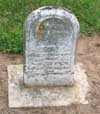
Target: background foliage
14,12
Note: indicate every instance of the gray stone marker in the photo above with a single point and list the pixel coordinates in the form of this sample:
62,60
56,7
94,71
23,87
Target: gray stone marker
50,42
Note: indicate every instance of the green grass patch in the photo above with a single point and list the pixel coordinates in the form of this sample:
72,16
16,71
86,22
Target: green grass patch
14,12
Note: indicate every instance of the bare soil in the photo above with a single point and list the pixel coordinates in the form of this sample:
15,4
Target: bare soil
88,52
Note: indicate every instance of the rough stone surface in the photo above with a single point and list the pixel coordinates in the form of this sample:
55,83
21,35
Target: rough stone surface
20,96
50,42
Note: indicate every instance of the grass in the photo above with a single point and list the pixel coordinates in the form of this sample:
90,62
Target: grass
14,12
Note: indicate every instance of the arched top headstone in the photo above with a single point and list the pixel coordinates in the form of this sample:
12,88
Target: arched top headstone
50,42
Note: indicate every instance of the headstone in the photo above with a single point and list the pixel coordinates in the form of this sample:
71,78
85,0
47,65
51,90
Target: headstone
51,35
50,43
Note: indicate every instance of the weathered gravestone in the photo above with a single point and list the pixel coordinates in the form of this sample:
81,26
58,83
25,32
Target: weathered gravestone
50,42
51,35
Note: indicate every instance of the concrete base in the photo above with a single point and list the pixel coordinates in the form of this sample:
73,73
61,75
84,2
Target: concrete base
21,96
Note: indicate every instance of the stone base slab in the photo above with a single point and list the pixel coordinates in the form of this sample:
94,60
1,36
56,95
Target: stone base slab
21,96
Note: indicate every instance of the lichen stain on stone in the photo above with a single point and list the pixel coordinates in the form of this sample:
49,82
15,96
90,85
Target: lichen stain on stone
40,31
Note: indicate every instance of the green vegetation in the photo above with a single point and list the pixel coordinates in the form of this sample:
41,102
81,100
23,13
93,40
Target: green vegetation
14,12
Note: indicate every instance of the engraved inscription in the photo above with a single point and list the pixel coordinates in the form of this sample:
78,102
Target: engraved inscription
51,56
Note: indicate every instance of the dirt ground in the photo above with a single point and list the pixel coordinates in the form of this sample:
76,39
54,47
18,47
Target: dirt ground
88,52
